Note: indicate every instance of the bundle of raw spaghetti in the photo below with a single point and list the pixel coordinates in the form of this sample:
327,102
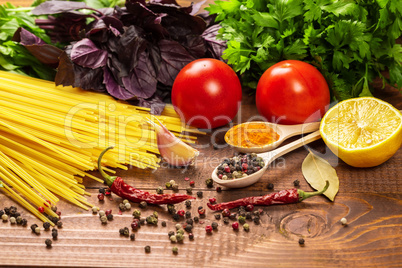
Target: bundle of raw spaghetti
51,136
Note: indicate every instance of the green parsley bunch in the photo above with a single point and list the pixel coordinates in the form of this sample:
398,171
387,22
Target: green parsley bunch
350,41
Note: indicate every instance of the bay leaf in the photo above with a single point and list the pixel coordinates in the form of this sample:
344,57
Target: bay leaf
316,171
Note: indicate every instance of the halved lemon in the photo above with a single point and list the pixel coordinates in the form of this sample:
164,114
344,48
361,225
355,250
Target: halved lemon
363,132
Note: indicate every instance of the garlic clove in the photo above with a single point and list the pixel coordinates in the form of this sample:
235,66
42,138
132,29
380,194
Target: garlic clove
173,150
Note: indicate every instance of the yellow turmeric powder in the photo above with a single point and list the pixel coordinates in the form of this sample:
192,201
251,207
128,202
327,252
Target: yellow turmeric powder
253,134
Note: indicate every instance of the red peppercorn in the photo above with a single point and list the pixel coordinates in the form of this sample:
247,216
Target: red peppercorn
107,212
235,225
101,197
201,210
212,200
249,207
181,213
192,183
244,166
208,229
108,192
227,169
220,176
226,212
135,224
41,209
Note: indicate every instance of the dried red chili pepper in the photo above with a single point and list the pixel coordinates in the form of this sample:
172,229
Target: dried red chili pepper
122,189
283,197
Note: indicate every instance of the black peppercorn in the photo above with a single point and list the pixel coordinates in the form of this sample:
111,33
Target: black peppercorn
296,183
109,217
188,203
163,224
214,225
46,225
226,220
188,214
59,224
188,228
196,219
121,231
48,243
132,236
217,216
270,186
233,216
24,222
147,249
190,221
33,227
1,212
256,219
55,233
143,204
249,216
189,190
176,217
199,194
301,241
102,190
209,182
171,233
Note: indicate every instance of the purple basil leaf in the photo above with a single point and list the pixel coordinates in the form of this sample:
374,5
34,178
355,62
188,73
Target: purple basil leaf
44,52
171,3
173,58
196,7
56,7
117,68
113,88
196,46
141,81
114,22
215,46
86,54
98,31
65,72
155,103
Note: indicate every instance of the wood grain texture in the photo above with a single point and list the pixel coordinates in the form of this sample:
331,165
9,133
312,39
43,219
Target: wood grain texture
370,199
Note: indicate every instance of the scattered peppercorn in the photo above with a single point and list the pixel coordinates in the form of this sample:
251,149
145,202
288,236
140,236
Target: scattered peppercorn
122,207
170,233
59,224
109,217
179,237
95,210
19,220
249,215
103,219
301,241
199,194
201,211
33,227
181,213
188,203
270,186
189,190
54,208
13,220
152,220
249,208
175,250
246,227
4,217
217,216
168,185
102,213
209,182
212,200
136,213
190,221
24,222
214,225
296,183
178,226
235,225
159,190
256,213
147,249
48,243
163,223
218,189
176,217
241,219
143,204
102,190
180,231
256,219
101,197
196,219
126,232
233,216
173,238
132,236
142,221
108,192
192,183
37,230
226,212
1,212
135,224
46,225
175,187
208,229
191,236
41,209
188,228
225,220
188,214
344,221
128,206
55,233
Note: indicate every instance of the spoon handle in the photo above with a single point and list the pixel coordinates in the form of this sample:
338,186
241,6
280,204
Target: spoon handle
293,130
269,157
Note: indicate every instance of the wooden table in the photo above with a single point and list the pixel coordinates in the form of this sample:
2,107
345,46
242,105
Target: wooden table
370,199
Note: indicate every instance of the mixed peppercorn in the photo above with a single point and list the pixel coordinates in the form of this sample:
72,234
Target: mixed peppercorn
239,166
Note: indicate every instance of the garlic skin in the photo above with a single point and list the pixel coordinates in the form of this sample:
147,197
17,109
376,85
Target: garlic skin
173,150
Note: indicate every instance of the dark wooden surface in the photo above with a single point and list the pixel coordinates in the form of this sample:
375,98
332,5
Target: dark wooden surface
370,199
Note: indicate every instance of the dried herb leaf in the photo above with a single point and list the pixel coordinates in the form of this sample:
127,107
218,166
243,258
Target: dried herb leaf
316,170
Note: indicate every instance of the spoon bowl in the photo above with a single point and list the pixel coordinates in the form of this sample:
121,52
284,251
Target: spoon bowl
284,132
268,158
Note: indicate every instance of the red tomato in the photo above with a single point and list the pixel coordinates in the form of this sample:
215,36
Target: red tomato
292,92
207,93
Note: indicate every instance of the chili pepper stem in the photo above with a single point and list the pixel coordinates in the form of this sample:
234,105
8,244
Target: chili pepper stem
304,195
108,179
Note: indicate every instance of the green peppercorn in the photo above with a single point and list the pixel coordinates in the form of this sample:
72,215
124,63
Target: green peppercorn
246,227
173,239
209,182
151,220
179,237
143,204
241,219
103,219
122,206
180,231
155,214
168,185
159,190
175,250
48,243
136,213
147,249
